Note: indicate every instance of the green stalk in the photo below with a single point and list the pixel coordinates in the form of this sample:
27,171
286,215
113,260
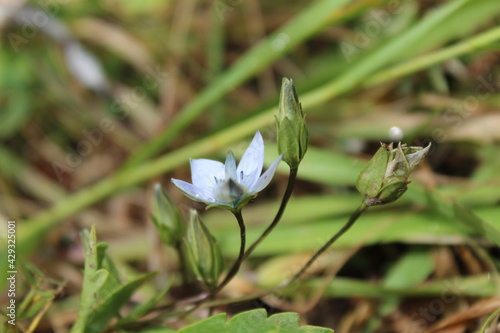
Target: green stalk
230,275
354,217
288,193
467,46
241,256
306,24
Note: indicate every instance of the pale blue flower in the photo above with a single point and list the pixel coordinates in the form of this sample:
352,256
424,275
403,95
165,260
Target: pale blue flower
227,185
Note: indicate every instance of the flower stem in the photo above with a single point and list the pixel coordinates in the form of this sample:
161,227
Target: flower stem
241,256
297,275
198,301
288,192
202,302
362,207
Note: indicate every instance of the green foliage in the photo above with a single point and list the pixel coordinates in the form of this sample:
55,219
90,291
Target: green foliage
490,323
167,219
41,293
440,24
204,256
430,68
103,292
254,321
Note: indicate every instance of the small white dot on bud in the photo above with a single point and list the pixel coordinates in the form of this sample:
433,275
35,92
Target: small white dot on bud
396,133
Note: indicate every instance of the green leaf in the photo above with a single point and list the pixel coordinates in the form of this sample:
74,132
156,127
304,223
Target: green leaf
103,294
109,305
410,270
449,208
156,329
144,308
254,321
15,114
308,22
41,293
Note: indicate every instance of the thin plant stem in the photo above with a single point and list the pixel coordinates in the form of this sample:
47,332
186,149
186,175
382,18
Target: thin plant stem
297,275
198,300
232,272
347,226
288,192
241,256
202,302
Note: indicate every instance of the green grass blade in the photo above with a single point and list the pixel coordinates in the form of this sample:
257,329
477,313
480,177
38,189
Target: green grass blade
307,23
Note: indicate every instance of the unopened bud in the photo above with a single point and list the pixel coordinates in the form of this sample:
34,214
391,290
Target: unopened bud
293,137
203,253
385,178
166,218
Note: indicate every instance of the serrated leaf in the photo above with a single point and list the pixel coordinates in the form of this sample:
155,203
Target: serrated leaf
109,306
102,294
254,321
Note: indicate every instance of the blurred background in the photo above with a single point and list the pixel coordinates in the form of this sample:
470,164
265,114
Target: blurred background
99,100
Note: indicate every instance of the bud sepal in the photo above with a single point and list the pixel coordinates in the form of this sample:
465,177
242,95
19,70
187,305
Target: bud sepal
293,136
167,218
203,253
385,178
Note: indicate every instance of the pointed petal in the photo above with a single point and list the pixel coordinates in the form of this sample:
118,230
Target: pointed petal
249,180
415,158
398,167
251,163
230,166
205,173
266,177
193,192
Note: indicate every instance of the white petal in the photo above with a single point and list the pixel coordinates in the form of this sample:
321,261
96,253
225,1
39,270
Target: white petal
206,173
248,181
266,177
230,166
193,192
251,163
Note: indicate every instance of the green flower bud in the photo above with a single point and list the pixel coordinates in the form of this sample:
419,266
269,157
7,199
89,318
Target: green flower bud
385,178
203,252
293,137
166,218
